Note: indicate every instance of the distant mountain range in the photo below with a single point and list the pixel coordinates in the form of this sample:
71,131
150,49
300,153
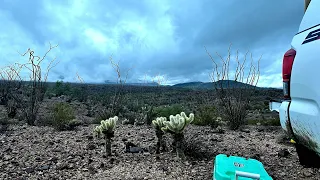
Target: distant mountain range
193,85
190,85
210,85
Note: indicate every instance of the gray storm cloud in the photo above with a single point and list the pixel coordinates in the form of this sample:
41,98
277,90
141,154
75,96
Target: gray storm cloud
155,36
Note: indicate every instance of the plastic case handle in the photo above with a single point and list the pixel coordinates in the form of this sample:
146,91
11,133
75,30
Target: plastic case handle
248,175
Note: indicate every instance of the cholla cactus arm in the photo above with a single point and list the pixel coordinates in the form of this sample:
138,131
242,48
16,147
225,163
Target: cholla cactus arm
97,131
188,119
159,122
109,124
177,123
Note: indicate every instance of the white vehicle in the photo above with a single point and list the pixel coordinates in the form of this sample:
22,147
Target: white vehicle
299,111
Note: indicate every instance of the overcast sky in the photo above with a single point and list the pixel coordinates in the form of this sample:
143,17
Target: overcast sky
156,37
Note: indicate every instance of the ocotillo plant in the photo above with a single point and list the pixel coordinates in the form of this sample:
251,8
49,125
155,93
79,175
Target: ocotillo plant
106,128
176,126
158,124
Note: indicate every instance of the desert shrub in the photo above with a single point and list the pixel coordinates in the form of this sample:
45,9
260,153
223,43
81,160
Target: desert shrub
4,120
196,149
61,88
102,115
206,116
79,93
168,110
130,117
63,117
134,106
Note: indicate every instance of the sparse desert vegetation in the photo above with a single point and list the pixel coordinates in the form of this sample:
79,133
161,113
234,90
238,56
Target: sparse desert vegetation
97,131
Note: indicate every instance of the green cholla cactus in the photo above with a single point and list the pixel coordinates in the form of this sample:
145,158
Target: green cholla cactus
107,129
175,126
158,124
177,123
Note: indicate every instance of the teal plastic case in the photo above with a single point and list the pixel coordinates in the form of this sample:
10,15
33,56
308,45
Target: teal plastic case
238,168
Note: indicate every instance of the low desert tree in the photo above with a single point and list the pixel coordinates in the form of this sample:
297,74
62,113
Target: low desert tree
234,88
36,86
176,127
106,129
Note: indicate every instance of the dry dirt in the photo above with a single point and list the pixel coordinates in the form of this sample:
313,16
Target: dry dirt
28,152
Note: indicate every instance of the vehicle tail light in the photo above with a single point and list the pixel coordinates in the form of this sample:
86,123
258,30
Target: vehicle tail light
288,59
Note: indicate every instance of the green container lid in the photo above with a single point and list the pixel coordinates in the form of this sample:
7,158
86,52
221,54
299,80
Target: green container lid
226,167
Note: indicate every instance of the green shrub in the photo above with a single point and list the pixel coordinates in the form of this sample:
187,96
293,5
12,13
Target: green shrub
206,116
63,117
59,89
167,111
79,93
102,115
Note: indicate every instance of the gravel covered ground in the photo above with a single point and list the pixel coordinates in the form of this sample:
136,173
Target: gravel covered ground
28,152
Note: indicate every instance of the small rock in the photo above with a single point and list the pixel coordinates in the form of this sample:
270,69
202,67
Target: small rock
51,143
283,153
92,170
36,142
91,146
307,173
45,167
53,159
57,150
89,137
29,170
90,161
71,166
62,166
135,150
245,130
8,149
241,136
14,162
256,156
85,169
260,129
102,165
164,168
6,157
111,160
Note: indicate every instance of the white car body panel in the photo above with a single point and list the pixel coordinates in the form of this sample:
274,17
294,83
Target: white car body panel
304,106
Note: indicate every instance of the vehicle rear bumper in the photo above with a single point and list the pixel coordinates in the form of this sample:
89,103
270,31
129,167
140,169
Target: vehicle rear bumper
282,107
275,105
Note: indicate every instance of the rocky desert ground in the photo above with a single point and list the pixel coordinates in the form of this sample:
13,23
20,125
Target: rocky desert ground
29,152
